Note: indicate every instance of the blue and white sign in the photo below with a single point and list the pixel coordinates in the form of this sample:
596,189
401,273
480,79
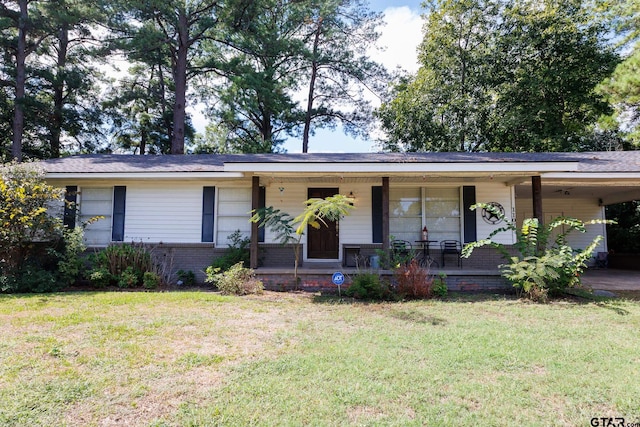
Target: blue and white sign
338,278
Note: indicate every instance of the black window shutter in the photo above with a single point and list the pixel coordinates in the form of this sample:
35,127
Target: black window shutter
376,213
119,203
208,204
70,201
469,199
262,203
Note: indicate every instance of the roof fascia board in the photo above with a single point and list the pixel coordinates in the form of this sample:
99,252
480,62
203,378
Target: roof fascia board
592,175
348,167
144,175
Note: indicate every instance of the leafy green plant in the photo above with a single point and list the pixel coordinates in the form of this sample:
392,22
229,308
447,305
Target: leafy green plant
128,278
237,280
187,277
125,264
543,267
439,286
237,251
71,264
369,286
413,280
101,277
150,280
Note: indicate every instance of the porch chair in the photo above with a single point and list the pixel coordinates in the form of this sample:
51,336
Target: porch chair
401,249
602,260
451,247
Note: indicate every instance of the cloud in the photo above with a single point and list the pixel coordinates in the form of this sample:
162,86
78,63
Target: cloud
400,37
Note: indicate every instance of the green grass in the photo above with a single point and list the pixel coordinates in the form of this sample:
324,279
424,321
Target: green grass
197,358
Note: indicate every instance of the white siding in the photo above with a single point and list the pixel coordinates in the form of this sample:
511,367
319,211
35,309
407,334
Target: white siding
500,193
354,228
232,213
583,209
95,202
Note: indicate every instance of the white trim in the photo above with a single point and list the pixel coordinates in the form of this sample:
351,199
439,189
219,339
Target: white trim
590,175
361,167
143,175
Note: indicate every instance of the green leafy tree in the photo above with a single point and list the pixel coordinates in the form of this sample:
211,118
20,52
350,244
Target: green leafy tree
542,266
338,67
446,106
174,31
254,102
26,229
551,56
503,76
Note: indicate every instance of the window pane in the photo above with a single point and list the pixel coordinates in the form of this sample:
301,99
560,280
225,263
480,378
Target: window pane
405,213
442,207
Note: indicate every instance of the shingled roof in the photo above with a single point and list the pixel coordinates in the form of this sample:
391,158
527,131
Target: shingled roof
604,161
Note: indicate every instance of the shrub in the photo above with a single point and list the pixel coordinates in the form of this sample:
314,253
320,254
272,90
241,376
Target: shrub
118,258
439,286
31,278
237,280
368,286
128,278
237,251
413,280
150,280
71,264
124,265
188,278
101,278
543,268
24,200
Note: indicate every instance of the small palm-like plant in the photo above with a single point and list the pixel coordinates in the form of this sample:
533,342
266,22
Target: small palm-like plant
289,230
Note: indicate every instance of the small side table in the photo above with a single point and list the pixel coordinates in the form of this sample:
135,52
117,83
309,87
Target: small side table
426,256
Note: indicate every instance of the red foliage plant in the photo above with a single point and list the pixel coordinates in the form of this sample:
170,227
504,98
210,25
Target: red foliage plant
414,281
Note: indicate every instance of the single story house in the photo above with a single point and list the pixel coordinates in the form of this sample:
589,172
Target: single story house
190,204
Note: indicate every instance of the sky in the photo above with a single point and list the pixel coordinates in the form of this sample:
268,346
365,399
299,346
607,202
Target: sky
400,38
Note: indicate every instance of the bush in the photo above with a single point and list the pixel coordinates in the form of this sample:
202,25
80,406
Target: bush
413,280
188,278
24,200
150,280
543,268
71,264
128,278
31,278
237,280
369,286
439,286
123,264
238,251
101,278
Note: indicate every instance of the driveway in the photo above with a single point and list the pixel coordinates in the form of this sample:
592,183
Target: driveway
612,280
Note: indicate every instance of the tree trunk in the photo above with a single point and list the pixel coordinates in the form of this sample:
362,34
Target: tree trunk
58,91
312,85
163,105
21,55
180,76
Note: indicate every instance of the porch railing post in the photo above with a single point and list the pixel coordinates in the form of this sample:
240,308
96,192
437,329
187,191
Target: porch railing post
255,204
536,191
385,212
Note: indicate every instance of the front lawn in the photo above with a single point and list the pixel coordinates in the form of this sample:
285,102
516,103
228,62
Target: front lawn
197,358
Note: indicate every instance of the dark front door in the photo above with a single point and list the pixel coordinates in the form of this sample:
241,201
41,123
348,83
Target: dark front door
322,243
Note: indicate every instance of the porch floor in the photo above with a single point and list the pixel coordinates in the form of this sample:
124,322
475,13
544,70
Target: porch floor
610,279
